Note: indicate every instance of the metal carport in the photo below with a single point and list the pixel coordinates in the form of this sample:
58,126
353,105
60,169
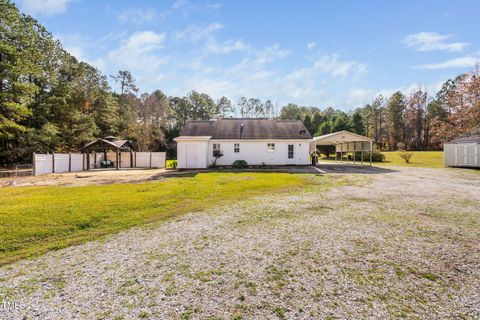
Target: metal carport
344,142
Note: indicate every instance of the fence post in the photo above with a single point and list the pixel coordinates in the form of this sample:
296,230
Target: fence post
33,164
69,162
53,162
150,160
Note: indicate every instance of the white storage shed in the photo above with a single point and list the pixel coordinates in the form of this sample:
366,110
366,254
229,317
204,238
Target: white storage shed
462,152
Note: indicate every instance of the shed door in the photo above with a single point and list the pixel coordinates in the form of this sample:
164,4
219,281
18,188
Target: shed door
191,156
472,154
466,154
460,154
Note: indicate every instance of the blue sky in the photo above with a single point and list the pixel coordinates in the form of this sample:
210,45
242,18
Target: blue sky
319,53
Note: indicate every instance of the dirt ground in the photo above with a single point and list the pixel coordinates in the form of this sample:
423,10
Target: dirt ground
83,178
93,177
389,243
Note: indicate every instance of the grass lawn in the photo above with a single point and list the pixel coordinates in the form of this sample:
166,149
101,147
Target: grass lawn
37,219
425,159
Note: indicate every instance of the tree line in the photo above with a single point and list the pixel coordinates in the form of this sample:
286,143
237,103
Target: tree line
415,121
50,101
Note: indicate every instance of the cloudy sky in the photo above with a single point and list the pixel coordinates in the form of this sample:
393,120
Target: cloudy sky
321,53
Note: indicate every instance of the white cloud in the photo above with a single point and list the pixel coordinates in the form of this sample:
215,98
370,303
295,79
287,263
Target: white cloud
358,96
332,65
179,3
430,41
311,45
462,62
138,51
138,15
214,6
195,33
45,7
226,46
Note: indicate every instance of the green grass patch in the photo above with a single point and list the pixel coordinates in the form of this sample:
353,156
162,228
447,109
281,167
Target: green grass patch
36,219
424,159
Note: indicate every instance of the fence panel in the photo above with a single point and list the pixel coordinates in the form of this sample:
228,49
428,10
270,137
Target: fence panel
77,162
158,159
142,159
74,162
125,159
43,163
61,162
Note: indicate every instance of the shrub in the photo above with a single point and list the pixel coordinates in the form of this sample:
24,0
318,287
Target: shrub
405,155
174,164
377,156
240,164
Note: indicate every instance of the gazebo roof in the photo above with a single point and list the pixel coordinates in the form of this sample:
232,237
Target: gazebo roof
106,143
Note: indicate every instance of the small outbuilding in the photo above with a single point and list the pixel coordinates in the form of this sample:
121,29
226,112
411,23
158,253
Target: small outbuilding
462,152
345,143
102,146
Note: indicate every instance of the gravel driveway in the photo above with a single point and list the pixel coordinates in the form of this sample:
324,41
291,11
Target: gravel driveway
389,243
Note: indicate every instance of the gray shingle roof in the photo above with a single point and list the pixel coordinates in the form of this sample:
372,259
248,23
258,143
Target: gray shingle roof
467,139
231,128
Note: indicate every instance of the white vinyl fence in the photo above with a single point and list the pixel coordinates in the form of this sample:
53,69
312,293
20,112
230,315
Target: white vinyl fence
74,162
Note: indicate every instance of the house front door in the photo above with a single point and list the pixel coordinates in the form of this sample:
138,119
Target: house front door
290,154
191,156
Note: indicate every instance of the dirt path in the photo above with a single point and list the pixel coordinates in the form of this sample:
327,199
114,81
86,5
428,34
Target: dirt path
98,177
392,243
83,178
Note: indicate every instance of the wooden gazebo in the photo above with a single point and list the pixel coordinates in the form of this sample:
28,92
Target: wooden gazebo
103,145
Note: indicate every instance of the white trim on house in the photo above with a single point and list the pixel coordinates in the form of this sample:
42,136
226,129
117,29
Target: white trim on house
192,138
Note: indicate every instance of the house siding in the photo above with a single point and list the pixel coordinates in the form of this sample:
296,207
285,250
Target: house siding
255,152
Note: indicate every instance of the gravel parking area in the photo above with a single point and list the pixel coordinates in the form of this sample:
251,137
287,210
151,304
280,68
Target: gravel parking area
389,243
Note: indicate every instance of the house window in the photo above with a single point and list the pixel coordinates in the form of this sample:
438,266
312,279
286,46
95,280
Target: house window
236,147
216,149
271,147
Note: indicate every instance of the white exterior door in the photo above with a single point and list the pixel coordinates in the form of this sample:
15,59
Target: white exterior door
191,155
472,154
291,154
466,154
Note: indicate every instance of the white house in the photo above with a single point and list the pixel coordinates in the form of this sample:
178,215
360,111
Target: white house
257,141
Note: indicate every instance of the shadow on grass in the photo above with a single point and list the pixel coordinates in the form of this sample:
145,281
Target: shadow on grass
277,169
319,169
